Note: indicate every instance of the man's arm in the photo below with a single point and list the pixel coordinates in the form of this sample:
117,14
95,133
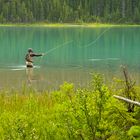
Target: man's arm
33,54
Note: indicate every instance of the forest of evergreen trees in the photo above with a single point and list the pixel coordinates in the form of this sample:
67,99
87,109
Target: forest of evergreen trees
70,11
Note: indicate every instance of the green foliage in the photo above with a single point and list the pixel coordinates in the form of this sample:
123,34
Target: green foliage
69,113
134,132
106,11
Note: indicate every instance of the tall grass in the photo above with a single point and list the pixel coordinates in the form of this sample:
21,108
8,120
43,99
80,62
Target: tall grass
67,114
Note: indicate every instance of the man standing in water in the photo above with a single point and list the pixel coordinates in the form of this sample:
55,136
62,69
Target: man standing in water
28,58
29,64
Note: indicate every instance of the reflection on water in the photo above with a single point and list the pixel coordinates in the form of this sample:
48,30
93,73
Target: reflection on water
29,75
90,50
43,78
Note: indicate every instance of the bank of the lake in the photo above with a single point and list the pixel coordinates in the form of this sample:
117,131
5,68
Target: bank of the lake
68,25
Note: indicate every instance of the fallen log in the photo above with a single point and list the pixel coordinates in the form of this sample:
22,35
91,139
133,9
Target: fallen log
127,100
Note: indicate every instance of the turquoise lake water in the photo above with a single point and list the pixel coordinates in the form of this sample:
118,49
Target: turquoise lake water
72,53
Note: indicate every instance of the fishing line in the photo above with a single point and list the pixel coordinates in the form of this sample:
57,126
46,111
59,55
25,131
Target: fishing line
51,50
100,35
91,43
97,38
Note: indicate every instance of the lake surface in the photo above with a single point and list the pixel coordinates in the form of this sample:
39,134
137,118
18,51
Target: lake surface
71,54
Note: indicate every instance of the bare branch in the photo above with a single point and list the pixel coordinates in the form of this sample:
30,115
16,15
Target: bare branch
127,100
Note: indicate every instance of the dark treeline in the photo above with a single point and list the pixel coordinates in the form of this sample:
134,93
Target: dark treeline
77,11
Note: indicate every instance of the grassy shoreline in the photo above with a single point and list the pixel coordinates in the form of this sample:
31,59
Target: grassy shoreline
68,25
70,114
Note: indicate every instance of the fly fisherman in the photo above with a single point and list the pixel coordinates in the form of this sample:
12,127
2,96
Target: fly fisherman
29,64
29,58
